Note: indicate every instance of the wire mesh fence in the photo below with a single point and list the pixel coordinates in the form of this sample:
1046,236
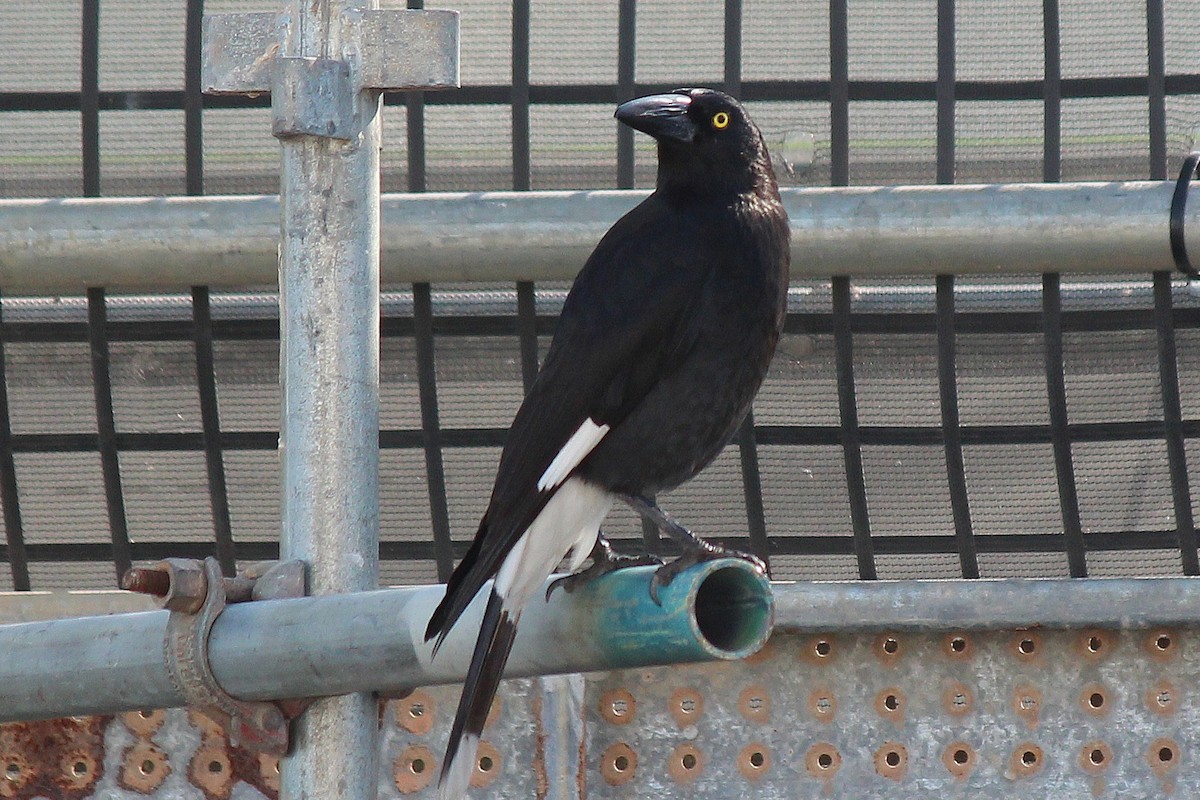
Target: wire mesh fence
1025,426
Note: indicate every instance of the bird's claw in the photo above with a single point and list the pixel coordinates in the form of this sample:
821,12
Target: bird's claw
706,551
608,561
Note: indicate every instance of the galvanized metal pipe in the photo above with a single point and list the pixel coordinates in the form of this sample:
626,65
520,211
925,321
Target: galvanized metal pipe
173,243
341,643
922,605
329,376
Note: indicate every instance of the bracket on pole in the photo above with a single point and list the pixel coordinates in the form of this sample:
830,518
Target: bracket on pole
196,593
379,50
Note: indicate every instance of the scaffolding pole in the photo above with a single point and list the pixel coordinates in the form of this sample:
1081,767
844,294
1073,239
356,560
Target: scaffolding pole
324,63
172,243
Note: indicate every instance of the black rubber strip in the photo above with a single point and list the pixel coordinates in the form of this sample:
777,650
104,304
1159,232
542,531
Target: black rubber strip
1178,214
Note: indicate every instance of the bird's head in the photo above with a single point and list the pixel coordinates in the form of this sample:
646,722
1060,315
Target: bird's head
702,134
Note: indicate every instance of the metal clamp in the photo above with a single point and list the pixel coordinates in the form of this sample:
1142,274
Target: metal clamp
1178,207
196,593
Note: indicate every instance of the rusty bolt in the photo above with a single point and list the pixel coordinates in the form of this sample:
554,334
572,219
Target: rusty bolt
146,580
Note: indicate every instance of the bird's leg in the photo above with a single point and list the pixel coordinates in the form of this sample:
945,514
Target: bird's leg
695,549
604,561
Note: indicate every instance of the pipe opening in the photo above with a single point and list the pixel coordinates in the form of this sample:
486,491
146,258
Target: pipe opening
733,610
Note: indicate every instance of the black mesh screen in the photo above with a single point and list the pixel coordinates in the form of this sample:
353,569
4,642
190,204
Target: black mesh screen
1033,426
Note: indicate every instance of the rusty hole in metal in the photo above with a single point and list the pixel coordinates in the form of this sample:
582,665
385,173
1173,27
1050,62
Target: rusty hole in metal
618,706
755,703
12,770
1164,755
754,760
822,704
1027,703
1027,760
822,760
686,763
959,758
891,760
416,712
1162,644
618,764
686,705
1028,645
957,645
1095,643
487,765
412,770
957,698
1161,698
889,702
820,649
1095,756
1094,699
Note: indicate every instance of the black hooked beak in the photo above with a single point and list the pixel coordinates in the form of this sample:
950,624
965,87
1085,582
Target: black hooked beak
663,116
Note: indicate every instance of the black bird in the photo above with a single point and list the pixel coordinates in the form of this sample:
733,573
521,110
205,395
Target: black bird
662,344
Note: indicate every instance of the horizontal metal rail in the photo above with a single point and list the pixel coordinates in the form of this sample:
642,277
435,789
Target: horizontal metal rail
374,641
159,244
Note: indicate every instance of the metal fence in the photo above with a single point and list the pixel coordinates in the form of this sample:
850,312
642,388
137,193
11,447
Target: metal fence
1017,426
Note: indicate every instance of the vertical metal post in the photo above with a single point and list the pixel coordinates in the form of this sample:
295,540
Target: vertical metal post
329,371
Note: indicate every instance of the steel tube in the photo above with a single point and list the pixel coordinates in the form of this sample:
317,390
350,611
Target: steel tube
375,641
176,242
1007,604
329,370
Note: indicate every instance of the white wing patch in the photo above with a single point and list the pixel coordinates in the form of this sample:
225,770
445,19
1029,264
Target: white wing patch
568,523
582,442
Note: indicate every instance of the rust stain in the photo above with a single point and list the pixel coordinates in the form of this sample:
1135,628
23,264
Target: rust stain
959,758
211,770
58,758
754,761
822,704
822,760
888,649
145,723
416,712
1027,760
144,768
1095,644
685,763
957,646
1027,704
413,769
618,706
891,760
957,698
1164,756
487,765
1095,757
1162,698
686,705
541,780
755,703
618,764
1162,644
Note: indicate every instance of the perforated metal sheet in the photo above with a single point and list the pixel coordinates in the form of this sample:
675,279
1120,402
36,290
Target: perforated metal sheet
1100,714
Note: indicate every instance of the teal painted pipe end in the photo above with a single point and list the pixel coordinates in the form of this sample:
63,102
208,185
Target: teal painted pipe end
721,609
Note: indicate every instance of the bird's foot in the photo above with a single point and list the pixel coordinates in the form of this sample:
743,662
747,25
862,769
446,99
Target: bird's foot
604,561
695,554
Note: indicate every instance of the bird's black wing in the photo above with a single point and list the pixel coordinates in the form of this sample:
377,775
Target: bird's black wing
624,322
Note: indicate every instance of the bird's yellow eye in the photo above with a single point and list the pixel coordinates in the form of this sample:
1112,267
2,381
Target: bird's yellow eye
720,120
